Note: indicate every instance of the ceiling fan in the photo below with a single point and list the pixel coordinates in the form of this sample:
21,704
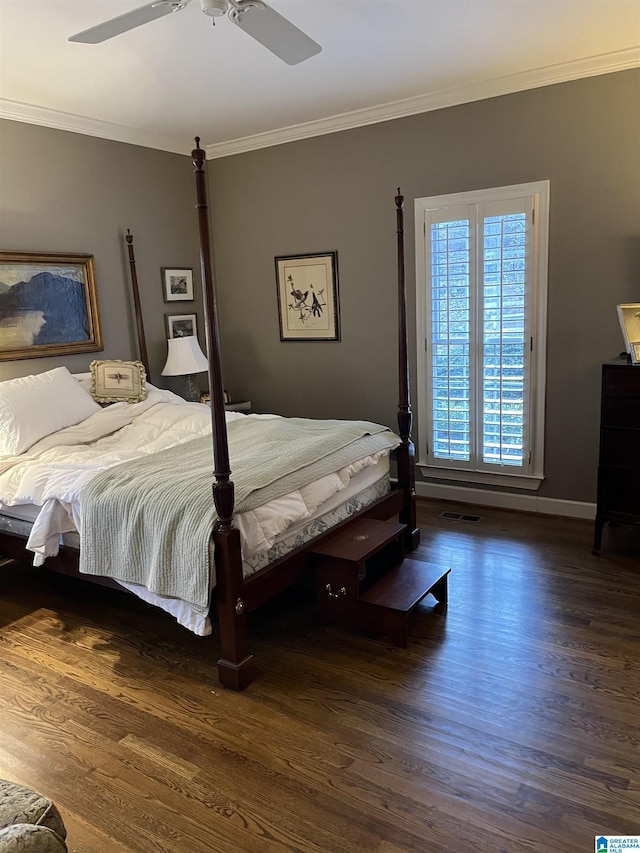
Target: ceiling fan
257,19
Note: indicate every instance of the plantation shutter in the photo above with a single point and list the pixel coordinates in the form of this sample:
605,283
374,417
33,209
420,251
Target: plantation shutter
479,283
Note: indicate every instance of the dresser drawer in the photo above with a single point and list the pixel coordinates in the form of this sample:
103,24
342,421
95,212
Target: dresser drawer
618,493
621,380
620,447
621,412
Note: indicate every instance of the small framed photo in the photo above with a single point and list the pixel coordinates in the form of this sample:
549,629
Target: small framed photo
177,285
181,325
308,297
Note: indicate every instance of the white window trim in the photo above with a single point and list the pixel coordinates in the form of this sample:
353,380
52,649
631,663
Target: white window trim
540,256
511,480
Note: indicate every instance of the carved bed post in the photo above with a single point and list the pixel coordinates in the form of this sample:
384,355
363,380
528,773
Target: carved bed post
142,342
236,666
406,451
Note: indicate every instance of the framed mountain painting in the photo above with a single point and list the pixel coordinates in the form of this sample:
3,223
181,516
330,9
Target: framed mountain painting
48,305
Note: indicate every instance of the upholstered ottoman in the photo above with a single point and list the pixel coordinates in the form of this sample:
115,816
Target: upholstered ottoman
29,822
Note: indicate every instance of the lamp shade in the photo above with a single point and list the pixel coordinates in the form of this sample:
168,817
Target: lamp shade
185,357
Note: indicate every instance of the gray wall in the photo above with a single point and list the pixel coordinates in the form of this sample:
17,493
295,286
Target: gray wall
336,192
66,192
63,192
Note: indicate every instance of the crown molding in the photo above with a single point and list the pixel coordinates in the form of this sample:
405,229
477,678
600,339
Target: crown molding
607,63
44,117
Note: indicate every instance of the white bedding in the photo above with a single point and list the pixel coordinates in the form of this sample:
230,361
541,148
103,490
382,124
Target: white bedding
49,476
368,484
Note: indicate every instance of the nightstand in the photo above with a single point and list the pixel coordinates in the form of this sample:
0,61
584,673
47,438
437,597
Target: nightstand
233,406
238,406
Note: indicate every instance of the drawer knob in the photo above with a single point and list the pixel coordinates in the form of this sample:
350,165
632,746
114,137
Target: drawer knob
342,591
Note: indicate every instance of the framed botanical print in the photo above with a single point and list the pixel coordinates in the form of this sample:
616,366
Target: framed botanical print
308,297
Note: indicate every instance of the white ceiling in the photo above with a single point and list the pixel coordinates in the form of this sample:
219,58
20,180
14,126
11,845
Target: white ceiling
163,83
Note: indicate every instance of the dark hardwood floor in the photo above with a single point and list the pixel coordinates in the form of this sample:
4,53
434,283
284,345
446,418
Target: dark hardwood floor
510,723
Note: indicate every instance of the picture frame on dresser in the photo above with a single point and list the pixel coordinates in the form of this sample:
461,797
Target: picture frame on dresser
48,305
629,317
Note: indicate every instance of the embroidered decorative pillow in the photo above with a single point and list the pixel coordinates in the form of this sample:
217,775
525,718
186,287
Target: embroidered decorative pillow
118,381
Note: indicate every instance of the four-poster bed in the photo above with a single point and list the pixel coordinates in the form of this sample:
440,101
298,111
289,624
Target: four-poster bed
235,598
236,594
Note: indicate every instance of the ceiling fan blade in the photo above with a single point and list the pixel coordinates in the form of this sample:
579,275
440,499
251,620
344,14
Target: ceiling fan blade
128,21
274,32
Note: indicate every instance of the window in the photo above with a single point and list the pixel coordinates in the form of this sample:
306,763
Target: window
481,282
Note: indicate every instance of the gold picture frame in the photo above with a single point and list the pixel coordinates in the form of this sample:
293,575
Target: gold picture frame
48,305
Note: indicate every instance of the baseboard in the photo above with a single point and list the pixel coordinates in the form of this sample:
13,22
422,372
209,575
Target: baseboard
505,500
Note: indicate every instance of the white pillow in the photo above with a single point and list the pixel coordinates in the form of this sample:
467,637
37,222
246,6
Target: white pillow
84,379
34,406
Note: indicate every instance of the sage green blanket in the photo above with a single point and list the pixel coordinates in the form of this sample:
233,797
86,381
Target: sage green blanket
149,521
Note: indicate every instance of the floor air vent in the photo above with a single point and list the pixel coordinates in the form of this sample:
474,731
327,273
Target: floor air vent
458,516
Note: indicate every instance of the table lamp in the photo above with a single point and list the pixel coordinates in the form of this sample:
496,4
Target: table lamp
185,358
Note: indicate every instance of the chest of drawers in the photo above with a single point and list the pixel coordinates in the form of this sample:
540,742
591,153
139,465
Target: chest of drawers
619,462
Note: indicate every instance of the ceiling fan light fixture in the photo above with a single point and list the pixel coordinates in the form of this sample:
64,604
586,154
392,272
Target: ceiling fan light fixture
254,17
214,8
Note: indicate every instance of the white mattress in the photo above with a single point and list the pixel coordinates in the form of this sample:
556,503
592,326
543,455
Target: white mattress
25,512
